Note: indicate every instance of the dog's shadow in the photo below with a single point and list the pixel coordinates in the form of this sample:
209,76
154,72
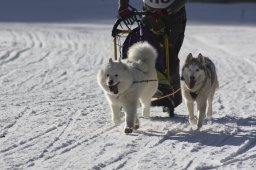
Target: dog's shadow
238,134
250,121
176,119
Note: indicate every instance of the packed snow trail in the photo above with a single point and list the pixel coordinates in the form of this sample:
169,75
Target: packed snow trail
54,115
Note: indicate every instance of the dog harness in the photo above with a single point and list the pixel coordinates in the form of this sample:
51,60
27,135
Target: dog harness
143,81
193,95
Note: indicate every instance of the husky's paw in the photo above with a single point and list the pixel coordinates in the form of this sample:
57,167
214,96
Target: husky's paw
199,125
209,114
197,129
127,130
192,120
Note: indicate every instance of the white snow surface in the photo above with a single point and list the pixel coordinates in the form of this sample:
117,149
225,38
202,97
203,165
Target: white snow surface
53,114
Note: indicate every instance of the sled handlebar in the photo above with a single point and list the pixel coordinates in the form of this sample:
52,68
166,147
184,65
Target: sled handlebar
136,16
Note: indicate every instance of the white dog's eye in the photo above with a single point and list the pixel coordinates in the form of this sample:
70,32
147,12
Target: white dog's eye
116,75
197,70
107,75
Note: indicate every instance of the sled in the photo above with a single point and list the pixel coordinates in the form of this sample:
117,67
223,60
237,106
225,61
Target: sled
126,32
122,28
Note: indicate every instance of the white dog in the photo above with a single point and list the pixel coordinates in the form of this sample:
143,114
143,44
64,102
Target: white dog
198,84
130,81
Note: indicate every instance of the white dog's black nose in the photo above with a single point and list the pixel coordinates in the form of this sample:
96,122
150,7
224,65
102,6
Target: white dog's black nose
192,77
110,82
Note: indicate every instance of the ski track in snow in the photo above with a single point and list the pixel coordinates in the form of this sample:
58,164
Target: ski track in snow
54,116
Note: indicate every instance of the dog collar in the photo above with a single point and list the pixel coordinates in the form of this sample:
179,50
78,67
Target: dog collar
192,94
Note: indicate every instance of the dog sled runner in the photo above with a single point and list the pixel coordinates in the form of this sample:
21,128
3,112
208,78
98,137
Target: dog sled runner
130,30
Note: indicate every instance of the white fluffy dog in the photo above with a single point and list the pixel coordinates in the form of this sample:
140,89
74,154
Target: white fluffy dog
130,81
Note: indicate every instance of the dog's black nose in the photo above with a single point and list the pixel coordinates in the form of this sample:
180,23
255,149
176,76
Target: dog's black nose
110,82
192,77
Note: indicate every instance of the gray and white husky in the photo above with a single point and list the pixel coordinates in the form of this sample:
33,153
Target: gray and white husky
198,84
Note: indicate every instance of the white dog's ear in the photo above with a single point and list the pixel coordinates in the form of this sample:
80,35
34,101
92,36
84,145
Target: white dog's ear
189,57
200,58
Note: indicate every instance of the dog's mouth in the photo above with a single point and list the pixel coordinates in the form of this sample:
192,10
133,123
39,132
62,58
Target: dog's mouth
192,83
114,88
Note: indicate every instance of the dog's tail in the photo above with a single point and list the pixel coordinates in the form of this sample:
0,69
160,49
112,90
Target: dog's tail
143,52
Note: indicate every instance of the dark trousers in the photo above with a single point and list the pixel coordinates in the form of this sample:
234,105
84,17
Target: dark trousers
177,25
177,29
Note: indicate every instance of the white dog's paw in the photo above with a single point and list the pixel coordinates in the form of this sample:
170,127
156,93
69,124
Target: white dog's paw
117,121
146,116
193,120
145,112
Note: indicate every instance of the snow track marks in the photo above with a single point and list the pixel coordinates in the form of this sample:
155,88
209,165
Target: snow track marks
54,116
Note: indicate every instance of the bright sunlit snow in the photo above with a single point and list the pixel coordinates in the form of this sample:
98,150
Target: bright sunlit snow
53,114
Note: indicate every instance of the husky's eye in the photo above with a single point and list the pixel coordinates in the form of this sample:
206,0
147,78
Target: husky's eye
197,70
116,75
107,75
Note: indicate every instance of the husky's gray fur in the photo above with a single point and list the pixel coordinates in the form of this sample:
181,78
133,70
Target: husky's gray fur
198,84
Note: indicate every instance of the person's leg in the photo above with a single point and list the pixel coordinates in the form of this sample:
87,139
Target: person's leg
177,29
177,24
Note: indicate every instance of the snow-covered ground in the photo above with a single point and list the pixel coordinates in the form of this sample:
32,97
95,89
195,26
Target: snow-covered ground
53,115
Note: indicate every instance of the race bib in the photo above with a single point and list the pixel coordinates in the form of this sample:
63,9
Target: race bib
158,3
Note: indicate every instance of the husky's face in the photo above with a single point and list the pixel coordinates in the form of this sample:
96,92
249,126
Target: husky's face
114,77
193,71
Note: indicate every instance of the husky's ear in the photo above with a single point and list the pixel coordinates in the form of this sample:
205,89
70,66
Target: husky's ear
200,58
189,58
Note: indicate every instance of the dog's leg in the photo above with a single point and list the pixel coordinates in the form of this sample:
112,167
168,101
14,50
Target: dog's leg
145,103
209,105
201,106
130,116
116,114
209,108
146,97
137,123
190,107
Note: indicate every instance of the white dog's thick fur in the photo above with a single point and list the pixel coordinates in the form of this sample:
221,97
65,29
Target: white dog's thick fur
198,84
130,81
